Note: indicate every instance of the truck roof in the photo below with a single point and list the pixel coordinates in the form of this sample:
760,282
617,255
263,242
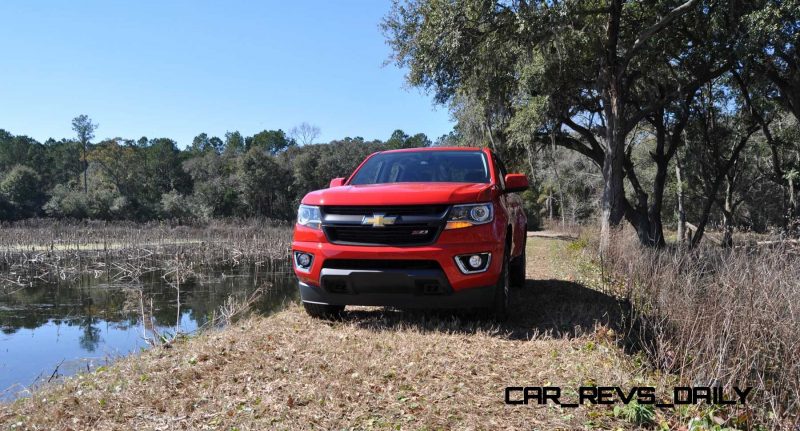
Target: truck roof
406,150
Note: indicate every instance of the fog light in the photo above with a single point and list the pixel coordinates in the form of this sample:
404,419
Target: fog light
302,261
475,261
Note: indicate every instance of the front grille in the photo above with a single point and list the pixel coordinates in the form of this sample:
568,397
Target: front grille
421,210
388,235
377,264
412,224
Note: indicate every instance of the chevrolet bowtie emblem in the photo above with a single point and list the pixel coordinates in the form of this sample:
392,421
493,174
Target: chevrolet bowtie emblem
378,220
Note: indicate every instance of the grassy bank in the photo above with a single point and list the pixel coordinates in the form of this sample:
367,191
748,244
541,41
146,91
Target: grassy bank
289,372
374,369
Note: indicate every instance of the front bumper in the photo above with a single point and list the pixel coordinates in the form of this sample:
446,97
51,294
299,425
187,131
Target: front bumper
451,243
416,297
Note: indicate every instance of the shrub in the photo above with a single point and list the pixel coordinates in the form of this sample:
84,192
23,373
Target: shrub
67,203
184,208
101,204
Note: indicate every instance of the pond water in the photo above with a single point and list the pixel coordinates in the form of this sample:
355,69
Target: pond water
49,330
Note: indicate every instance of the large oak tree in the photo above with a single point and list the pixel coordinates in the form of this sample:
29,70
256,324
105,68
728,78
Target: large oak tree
582,74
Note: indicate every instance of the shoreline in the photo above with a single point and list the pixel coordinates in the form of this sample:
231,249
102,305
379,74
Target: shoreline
375,369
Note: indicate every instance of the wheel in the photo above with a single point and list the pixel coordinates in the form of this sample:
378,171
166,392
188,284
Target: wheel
518,269
323,311
500,306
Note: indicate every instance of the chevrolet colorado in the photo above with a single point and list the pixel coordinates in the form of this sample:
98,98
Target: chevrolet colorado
421,227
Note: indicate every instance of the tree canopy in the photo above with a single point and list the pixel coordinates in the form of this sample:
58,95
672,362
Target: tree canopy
606,79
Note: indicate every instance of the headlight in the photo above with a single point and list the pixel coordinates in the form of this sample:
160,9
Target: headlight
309,215
470,215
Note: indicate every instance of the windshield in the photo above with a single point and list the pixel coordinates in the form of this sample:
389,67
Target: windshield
424,166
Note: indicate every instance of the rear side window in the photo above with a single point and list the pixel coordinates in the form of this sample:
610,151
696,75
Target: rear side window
424,166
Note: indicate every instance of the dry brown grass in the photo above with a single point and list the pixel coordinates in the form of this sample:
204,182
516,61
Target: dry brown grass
291,372
566,229
717,316
375,369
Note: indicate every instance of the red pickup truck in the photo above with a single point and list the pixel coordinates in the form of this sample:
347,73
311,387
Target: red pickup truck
422,227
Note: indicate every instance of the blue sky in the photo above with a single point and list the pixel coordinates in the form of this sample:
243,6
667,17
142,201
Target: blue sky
178,68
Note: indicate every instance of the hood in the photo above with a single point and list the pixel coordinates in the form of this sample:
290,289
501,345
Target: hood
401,194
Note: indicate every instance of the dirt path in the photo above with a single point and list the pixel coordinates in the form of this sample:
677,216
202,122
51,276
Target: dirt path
375,369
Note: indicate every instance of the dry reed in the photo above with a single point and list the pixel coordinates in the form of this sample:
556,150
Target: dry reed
56,251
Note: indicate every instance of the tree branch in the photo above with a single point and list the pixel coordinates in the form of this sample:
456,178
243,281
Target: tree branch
690,88
647,33
571,143
585,132
777,169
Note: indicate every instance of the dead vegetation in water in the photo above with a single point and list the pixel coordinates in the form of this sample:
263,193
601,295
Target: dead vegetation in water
57,251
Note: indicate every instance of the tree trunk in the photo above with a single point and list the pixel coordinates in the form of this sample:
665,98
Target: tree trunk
85,171
666,149
681,209
638,214
612,204
532,168
727,215
792,224
701,227
558,181
654,212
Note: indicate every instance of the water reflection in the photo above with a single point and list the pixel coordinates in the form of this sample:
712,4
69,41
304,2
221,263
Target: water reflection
92,321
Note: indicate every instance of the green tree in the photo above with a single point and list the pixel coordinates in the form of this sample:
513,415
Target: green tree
770,82
20,150
215,183
84,129
21,187
772,30
234,143
202,143
63,160
400,139
584,75
65,202
314,166
264,184
271,141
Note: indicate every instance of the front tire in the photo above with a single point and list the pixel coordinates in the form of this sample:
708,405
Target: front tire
518,269
323,311
500,305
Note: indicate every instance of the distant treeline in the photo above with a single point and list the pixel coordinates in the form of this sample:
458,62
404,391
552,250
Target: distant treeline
264,175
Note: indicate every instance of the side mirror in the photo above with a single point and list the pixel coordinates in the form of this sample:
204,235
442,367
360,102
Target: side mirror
336,182
516,183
